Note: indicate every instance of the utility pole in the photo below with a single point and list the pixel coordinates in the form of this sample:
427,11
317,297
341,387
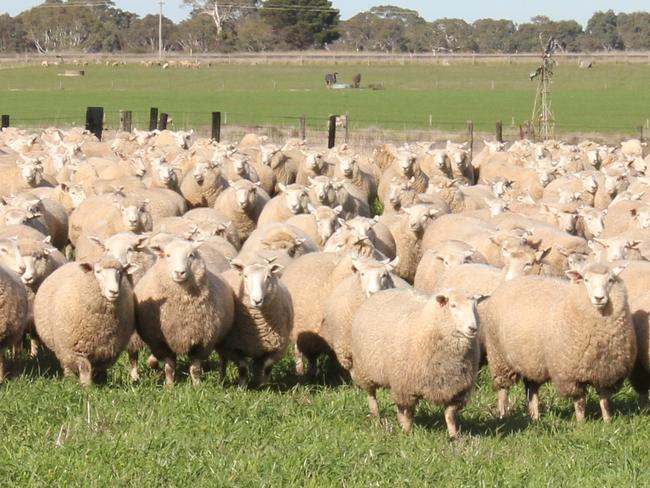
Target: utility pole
160,31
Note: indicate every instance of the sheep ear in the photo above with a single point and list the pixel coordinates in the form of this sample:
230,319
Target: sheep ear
157,250
139,241
97,241
540,255
47,240
282,187
390,266
355,264
131,268
311,209
338,209
237,265
574,276
634,244
479,298
619,269
442,299
86,267
276,268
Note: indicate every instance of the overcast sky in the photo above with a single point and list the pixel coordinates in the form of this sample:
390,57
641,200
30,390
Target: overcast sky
470,10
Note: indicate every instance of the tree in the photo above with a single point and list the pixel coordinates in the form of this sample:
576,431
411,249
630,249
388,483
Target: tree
254,35
634,30
452,35
143,34
197,34
222,12
602,30
12,35
302,24
495,35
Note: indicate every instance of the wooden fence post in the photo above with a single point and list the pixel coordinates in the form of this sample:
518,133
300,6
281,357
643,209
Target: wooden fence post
640,139
95,121
303,128
153,118
216,126
470,138
126,116
5,121
162,123
499,131
331,133
347,127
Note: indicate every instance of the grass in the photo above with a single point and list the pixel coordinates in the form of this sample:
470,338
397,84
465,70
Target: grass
56,434
611,98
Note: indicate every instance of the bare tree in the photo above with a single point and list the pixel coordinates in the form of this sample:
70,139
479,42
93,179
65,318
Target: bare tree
221,11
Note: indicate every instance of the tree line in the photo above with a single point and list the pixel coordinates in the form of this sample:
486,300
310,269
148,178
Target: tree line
255,26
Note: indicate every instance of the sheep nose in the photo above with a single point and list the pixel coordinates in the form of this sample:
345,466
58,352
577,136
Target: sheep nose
257,302
179,275
198,178
21,269
472,329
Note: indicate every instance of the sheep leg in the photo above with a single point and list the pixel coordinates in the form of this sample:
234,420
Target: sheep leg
532,394
85,372
643,400
195,371
262,369
502,400
300,365
581,407
3,359
152,361
17,349
405,417
605,409
100,376
242,369
450,419
34,345
223,366
372,402
133,363
170,370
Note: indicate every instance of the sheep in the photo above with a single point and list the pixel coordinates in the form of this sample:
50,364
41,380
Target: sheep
326,270
348,170
236,167
224,227
182,308
19,177
322,191
407,230
573,334
404,167
281,241
293,200
441,256
13,313
263,319
375,231
370,276
84,314
242,203
52,215
418,346
319,224
313,165
201,186
640,376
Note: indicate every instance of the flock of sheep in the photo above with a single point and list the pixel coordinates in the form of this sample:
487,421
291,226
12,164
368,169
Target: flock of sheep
530,259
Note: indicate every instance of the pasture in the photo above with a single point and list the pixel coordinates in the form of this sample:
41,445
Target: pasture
56,433
609,99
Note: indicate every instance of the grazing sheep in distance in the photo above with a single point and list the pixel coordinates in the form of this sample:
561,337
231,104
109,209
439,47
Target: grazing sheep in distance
573,334
84,314
330,79
418,346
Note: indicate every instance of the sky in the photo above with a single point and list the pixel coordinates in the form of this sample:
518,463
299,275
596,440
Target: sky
470,10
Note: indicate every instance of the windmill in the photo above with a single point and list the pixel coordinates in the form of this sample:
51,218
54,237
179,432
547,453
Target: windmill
542,119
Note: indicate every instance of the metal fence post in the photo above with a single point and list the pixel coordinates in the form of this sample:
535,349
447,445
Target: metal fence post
216,126
95,121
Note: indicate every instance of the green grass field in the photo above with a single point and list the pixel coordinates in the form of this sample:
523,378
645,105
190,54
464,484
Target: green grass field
56,434
611,98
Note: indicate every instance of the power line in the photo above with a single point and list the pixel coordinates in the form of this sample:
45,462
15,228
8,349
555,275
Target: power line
284,8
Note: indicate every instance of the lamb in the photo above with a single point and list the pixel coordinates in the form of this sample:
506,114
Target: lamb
84,314
313,165
293,200
405,167
319,224
263,319
370,276
348,170
418,346
203,184
182,308
322,191
242,203
574,334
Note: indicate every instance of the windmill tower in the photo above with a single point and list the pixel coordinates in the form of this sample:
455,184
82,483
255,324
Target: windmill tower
542,119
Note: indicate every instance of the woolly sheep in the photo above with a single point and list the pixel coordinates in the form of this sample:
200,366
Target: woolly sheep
418,346
573,334
347,169
319,224
84,314
201,186
293,200
13,313
263,319
182,308
242,203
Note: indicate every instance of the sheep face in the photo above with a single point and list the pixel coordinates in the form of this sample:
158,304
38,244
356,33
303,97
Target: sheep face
641,216
166,174
200,170
134,216
31,171
246,196
374,276
324,190
240,165
615,184
76,192
614,249
458,158
108,274
520,262
260,281
121,246
297,199
419,216
314,161
36,266
396,190
454,257
326,221
139,169
10,256
406,163
462,310
594,220
590,185
347,166
598,281
360,226
497,206
180,255
267,153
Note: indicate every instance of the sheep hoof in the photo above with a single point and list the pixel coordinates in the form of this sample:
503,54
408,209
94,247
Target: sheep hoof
152,362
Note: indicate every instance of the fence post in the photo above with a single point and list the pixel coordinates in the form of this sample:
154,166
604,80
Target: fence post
347,127
153,118
640,139
126,117
470,137
162,123
216,126
331,133
499,131
303,128
5,121
95,121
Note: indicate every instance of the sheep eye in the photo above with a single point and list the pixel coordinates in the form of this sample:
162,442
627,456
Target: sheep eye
453,305
167,255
